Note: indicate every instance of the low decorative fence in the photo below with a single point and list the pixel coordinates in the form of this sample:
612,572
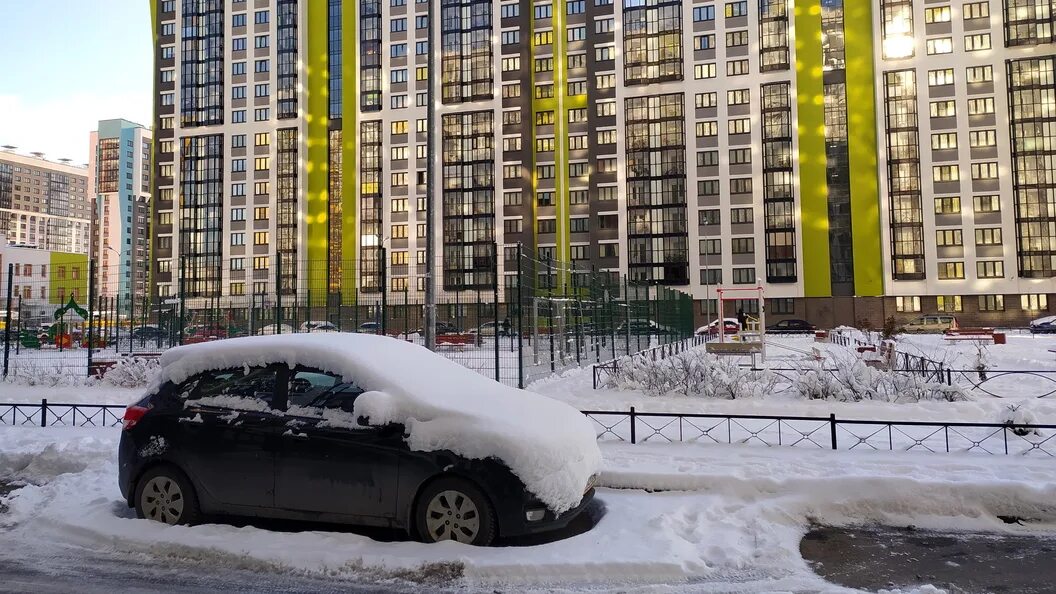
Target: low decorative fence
824,432
642,427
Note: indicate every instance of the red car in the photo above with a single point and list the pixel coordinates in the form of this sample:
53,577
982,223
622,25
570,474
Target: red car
206,333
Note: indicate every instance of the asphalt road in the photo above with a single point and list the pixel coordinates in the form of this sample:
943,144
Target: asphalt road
962,563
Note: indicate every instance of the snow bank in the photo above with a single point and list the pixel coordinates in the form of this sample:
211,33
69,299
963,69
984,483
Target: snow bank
549,445
734,525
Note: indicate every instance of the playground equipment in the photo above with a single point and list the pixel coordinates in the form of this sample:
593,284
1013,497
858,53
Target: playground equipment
750,340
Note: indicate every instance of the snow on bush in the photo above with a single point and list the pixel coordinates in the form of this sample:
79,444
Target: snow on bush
45,372
548,444
844,378
132,372
1017,415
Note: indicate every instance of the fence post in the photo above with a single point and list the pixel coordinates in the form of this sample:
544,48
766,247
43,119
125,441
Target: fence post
520,317
634,437
278,292
383,279
832,429
43,412
495,306
91,314
7,317
183,297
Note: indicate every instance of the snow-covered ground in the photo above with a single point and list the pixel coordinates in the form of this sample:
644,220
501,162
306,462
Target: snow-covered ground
730,521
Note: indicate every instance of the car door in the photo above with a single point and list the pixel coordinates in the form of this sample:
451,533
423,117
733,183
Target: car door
327,462
229,432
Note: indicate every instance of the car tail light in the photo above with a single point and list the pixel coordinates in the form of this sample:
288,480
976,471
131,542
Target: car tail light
132,416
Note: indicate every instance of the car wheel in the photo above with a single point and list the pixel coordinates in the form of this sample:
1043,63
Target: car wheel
455,509
166,495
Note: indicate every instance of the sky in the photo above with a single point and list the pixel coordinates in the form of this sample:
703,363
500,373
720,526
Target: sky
68,64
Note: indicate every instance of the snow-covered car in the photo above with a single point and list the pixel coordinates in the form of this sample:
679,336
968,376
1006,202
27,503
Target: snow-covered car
331,427
318,326
730,326
369,328
276,329
1046,325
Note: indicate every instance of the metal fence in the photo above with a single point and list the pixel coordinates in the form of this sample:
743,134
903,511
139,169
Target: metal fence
511,313
824,432
643,427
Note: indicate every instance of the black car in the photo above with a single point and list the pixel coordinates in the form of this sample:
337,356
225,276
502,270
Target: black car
791,327
277,442
147,333
441,328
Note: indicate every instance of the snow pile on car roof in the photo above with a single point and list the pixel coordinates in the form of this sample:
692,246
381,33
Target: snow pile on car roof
549,445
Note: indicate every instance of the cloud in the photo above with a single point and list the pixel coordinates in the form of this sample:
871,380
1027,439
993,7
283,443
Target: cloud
59,127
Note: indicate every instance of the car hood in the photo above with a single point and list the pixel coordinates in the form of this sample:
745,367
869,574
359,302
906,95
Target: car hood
549,445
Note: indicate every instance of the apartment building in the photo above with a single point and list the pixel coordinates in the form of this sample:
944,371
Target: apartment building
44,204
119,166
695,144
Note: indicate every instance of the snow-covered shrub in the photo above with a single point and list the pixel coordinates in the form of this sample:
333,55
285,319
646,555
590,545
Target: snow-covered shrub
1017,415
45,372
132,372
845,378
692,373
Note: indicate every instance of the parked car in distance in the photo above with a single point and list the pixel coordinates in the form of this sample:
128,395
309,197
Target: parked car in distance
280,439
318,326
488,329
441,328
276,329
204,333
369,328
1046,325
791,327
931,323
730,326
147,333
641,327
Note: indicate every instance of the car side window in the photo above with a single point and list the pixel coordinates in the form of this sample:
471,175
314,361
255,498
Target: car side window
257,383
306,385
342,398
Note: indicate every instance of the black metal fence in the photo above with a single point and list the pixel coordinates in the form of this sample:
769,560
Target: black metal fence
636,427
513,314
824,432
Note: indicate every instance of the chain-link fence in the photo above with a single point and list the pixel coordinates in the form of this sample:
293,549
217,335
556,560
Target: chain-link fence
509,312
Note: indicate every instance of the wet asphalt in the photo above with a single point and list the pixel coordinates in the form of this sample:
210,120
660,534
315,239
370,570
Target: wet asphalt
874,558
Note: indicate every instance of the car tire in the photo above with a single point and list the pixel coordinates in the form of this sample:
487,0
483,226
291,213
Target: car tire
165,494
451,508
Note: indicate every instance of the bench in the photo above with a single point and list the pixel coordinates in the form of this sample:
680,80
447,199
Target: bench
733,348
979,334
884,359
456,339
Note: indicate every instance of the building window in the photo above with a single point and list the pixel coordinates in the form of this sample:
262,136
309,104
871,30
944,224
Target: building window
948,303
656,189
652,42
990,269
907,304
991,303
1034,302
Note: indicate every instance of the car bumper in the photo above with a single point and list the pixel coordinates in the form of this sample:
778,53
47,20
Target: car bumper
550,521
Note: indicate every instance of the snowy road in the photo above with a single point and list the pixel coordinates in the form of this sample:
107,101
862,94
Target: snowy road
724,519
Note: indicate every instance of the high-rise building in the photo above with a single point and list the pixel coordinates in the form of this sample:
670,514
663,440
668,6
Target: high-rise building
44,204
695,144
119,165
